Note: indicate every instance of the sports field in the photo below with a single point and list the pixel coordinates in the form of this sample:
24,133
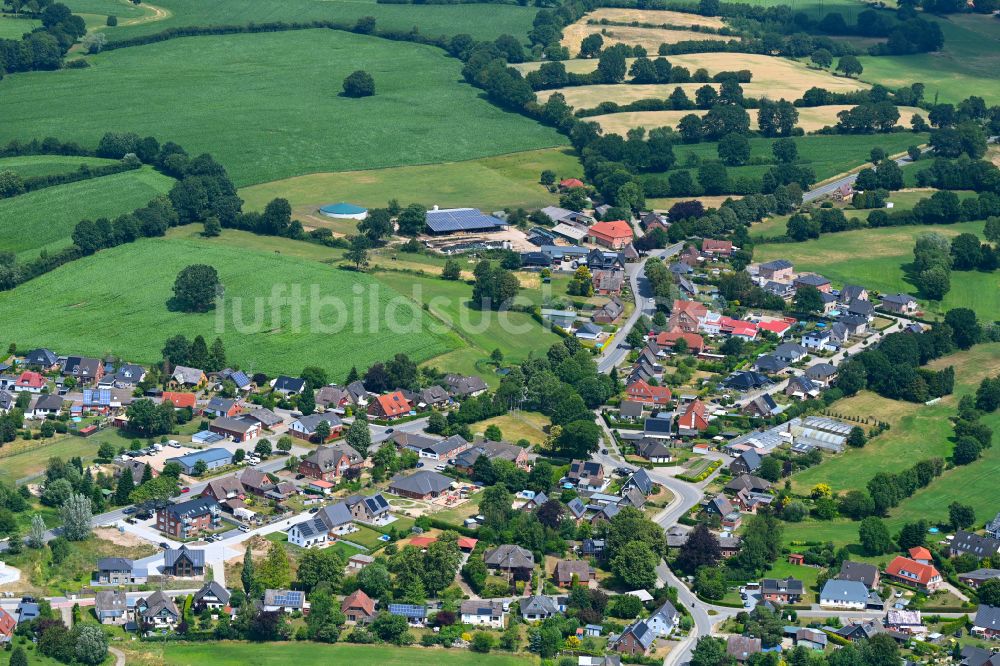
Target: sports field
482,21
229,653
30,166
268,106
116,301
875,258
811,119
45,218
14,28
489,183
967,65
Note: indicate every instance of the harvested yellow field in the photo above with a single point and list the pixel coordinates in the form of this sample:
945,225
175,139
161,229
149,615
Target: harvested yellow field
810,119
770,71
648,38
653,16
587,97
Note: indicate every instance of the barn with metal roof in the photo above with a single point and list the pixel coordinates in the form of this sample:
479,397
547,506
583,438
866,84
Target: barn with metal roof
456,220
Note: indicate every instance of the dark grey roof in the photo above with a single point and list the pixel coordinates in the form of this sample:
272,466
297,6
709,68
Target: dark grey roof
752,459
423,482
812,280
158,603
642,633
858,571
114,564
770,363
289,384
312,527
658,425
860,307
576,507
510,556
171,555
446,446
844,591
782,586
213,589
309,423
335,515
987,617
981,575
821,371
777,264
539,605
640,479
969,542
42,357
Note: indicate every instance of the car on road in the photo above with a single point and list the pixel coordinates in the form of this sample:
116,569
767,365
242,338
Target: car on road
420,464
129,510
244,528
185,489
604,452
164,545
389,430
299,477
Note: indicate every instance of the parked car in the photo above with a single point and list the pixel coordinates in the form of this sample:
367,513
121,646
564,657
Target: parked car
164,545
185,489
299,477
129,510
389,430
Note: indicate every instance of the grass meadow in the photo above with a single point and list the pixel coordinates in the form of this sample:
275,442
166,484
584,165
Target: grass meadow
229,653
45,218
30,166
480,21
116,301
489,183
269,106
917,432
14,28
876,259
967,65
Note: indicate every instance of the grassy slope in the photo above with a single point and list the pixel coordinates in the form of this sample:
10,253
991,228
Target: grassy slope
966,66
28,166
14,28
516,334
268,106
277,654
45,218
918,432
875,258
92,306
490,183
481,21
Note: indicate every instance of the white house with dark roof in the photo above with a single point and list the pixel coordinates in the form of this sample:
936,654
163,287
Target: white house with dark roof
308,533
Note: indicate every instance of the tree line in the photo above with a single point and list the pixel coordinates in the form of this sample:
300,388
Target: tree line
44,47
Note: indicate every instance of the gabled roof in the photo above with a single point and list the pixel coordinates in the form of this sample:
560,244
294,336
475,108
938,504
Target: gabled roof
640,479
109,601
510,556
215,589
309,423
195,556
358,599
328,457
114,564
422,482
311,527
185,375
987,617
975,544
180,400
639,630
45,358
782,586
335,515
844,591
285,598
821,371
539,605
393,404
777,265
616,229
907,569
158,603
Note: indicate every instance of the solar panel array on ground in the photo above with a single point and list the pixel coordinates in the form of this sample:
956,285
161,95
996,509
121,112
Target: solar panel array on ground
460,219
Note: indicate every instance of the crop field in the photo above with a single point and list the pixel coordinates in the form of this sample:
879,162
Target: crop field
967,65
515,334
479,20
229,653
30,166
280,313
780,73
648,38
489,183
268,106
810,119
45,218
13,28
584,97
97,11
875,258
653,16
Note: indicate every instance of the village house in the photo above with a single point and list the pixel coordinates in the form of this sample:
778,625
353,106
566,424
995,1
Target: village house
693,420
510,559
664,620
445,449
190,518
390,406
119,571
158,611
284,601
587,474
903,304
239,429
908,572
608,283
42,359
358,607
373,510
84,370
305,427
654,450
422,484
970,543
714,248
183,562
839,593
976,578
987,622
647,394
540,607
493,451
256,482
748,462
415,614
822,373
288,385
337,519
183,376
782,590
754,484
180,400
812,280
610,311
762,406
615,234
483,613
328,463
308,533
687,316
212,595
213,459
904,621
30,382
110,607
465,386
635,639
44,406
779,270
862,572
219,406
566,570
694,342
226,488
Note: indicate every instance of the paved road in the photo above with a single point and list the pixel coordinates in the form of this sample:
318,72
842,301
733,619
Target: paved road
831,187
642,292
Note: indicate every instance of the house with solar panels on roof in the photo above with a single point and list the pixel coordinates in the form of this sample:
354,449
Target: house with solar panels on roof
462,220
284,601
344,211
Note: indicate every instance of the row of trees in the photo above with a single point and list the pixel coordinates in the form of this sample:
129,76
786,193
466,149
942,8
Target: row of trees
44,47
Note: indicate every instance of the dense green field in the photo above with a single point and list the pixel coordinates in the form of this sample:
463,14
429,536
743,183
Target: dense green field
13,28
917,432
45,218
268,106
966,66
230,653
827,155
516,334
29,166
483,21
116,302
875,258
489,183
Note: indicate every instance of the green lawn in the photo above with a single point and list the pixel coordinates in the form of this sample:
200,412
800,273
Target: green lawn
269,106
808,575
966,66
489,183
518,425
875,258
515,334
93,306
483,21
45,218
20,458
229,653
14,28
29,166
366,537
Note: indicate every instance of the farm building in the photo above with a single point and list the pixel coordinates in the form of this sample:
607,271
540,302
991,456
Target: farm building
456,220
344,211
